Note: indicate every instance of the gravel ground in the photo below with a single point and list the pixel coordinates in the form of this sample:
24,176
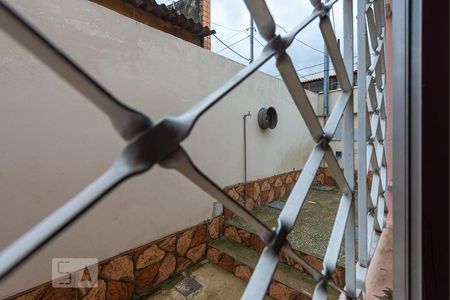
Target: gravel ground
313,228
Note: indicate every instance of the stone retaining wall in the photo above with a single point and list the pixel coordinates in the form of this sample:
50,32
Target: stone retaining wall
139,270
277,290
266,190
254,242
263,191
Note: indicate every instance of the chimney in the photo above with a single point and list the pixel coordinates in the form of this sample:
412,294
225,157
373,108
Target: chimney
206,21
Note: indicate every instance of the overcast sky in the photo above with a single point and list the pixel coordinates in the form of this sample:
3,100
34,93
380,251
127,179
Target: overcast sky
231,20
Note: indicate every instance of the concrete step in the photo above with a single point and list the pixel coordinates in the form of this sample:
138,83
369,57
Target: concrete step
289,282
239,231
312,230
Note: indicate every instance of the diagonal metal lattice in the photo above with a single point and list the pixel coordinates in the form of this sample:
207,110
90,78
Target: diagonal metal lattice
159,143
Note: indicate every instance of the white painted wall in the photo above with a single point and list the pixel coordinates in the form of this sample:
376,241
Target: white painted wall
337,145
53,142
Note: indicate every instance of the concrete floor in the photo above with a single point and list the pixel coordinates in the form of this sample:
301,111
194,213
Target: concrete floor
217,284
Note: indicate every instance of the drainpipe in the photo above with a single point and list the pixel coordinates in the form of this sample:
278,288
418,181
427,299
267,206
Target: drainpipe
252,31
326,79
245,153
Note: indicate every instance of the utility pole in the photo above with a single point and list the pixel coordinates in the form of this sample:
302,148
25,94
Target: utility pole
251,39
326,79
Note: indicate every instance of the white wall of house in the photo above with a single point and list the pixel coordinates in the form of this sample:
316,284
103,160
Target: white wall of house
337,144
53,142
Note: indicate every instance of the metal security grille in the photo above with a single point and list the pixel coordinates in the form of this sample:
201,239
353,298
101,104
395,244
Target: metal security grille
159,143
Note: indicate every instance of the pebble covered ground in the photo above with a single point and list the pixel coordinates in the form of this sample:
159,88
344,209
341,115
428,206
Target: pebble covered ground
313,227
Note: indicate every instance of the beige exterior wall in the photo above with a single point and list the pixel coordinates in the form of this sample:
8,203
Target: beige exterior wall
53,142
337,145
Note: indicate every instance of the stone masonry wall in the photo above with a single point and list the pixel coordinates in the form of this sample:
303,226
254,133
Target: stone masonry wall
254,242
139,270
266,190
277,290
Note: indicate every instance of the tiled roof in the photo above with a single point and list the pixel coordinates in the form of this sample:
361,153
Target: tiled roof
169,14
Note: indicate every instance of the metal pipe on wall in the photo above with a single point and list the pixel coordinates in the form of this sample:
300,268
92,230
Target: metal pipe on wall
326,79
245,152
252,31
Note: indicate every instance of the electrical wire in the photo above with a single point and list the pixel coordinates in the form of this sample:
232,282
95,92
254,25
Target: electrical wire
229,47
322,71
279,75
312,66
314,73
281,27
309,46
299,68
298,40
236,34
305,76
258,41
226,27
308,67
316,65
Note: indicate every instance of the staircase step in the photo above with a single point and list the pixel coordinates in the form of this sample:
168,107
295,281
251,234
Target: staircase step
239,231
312,230
286,275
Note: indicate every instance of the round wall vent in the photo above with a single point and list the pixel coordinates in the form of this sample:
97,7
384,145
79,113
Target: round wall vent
267,118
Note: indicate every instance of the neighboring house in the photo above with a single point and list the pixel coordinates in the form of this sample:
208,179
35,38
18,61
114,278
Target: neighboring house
186,19
314,82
